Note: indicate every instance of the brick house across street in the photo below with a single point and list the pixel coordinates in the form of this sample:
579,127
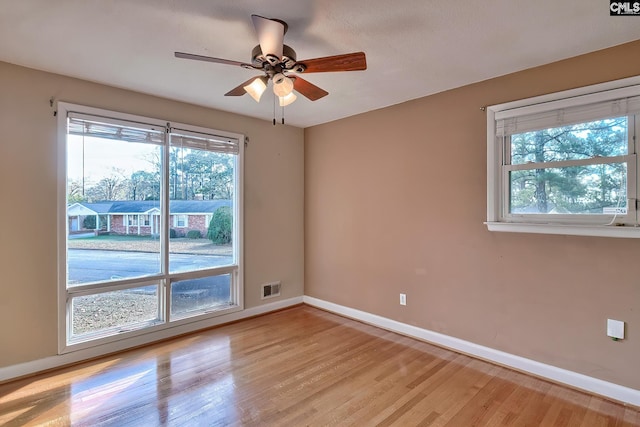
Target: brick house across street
142,217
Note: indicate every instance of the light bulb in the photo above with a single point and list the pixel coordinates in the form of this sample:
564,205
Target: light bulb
286,100
282,85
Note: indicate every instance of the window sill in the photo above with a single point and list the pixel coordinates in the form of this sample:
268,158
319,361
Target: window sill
566,229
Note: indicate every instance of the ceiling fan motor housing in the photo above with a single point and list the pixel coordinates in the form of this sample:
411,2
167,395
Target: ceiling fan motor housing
287,63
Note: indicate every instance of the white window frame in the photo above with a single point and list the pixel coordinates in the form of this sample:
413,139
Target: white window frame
167,327
132,220
175,220
497,176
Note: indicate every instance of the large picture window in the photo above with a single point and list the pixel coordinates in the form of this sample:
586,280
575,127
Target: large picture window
565,163
152,225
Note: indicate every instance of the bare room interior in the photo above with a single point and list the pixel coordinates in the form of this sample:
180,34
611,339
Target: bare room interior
319,213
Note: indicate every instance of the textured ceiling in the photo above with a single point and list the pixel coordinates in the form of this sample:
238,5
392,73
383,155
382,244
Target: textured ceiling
414,47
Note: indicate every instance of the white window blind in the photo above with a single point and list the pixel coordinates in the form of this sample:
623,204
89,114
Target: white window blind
108,128
511,122
201,141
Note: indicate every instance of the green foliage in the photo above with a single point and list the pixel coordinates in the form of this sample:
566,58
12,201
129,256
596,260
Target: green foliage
199,174
194,234
220,227
173,233
74,198
89,222
574,189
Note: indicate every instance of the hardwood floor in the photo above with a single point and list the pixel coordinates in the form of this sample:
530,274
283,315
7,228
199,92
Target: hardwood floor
298,367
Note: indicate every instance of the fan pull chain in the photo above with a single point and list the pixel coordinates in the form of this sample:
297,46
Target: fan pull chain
274,112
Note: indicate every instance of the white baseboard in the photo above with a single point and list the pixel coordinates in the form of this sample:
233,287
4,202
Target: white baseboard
570,378
47,363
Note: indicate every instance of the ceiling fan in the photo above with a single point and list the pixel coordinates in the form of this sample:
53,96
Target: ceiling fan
276,60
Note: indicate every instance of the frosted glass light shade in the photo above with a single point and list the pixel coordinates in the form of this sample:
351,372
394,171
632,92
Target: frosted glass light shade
282,85
286,100
256,88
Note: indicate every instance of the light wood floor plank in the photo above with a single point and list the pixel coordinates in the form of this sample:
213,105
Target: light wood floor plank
299,367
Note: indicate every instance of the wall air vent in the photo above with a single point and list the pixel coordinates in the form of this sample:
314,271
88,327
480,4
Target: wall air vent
270,290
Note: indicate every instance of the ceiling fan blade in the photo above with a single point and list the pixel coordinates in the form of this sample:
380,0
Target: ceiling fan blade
307,89
270,35
239,90
211,59
347,62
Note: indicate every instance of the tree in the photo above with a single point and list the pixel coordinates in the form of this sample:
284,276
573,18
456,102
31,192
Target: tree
143,185
220,227
75,192
193,175
201,174
569,189
109,188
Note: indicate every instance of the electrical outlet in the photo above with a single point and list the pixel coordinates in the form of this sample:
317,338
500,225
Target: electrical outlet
403,299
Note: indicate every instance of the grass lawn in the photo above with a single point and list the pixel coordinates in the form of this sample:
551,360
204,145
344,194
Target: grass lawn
116,238
135,243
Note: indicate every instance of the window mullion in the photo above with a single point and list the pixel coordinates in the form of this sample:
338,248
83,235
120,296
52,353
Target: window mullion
570,163
96,288
504,175
165,225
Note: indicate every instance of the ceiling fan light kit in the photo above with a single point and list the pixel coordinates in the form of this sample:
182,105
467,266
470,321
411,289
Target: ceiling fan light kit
282,85
276,60
288,99
257,87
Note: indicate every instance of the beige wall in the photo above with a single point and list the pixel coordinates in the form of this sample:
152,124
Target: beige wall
274,247
395,201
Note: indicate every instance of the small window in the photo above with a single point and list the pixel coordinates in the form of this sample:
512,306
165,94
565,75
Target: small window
181,221
132,220
565,163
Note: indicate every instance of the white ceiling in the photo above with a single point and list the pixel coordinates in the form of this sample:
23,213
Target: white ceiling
414,48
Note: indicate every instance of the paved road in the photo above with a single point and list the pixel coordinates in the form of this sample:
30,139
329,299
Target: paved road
187,295
95,265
